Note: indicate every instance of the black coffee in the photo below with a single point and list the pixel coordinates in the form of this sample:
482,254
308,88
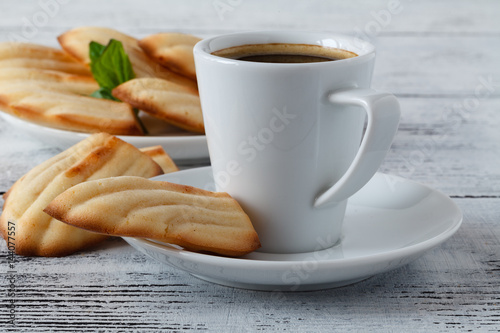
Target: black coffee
284,53
284,58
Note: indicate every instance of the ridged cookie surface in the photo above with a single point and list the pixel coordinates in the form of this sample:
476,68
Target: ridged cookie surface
80,84
28,55
160,156
36,233
196,219
54,105
165,100
172,50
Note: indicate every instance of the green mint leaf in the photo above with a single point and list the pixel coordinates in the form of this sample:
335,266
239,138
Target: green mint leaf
110,66
95,51
104,94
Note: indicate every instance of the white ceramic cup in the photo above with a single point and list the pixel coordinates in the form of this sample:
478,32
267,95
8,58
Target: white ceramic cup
286,140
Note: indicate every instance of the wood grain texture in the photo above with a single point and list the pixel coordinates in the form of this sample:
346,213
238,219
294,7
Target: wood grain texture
441,59
114,288
439,143
443,145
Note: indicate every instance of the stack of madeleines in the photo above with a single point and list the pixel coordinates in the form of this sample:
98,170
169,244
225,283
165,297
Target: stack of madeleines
52,86
99,187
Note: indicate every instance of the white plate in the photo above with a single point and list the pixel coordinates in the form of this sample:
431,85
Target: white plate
182,146
389,223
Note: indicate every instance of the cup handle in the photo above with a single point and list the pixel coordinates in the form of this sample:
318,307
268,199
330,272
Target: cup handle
382,124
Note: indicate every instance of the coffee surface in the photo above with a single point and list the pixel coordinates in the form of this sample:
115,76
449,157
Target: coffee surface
284,53
284,58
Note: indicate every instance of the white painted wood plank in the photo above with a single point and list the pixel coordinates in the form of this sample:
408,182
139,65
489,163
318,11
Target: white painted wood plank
447,145
424,47
428,65
114,288
438,65
432,54
441,141
369,17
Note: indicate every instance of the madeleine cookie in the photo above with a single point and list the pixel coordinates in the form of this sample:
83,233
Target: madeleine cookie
27,55
49,64
12,50
79,87
172,50
163,99
38,234
55,105
160,156
85,84
76,42
193,218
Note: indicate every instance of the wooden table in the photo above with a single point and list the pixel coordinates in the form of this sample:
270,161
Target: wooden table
440,58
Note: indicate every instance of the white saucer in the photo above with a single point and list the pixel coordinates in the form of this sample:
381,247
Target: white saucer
389,223
182,146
